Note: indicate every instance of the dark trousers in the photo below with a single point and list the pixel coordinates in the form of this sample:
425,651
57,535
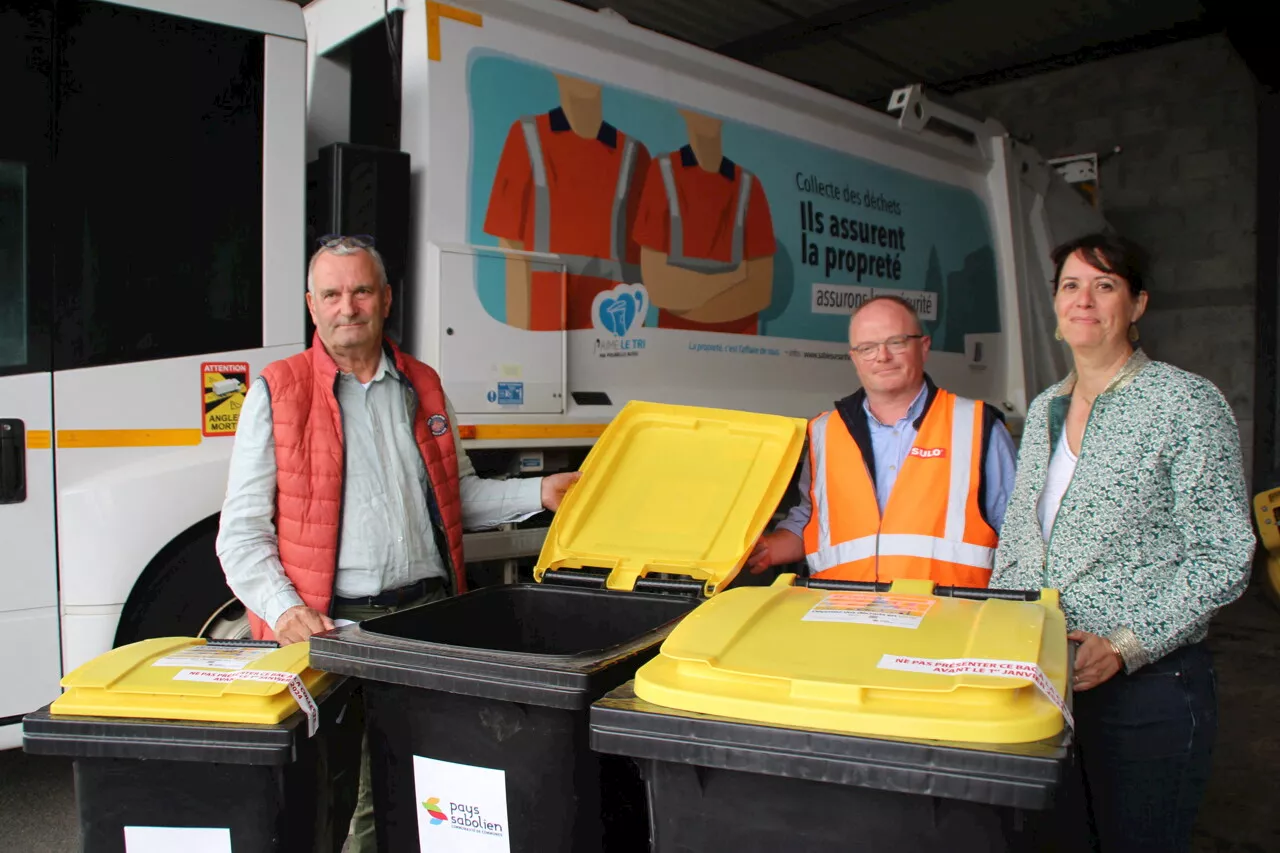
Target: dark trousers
1145,742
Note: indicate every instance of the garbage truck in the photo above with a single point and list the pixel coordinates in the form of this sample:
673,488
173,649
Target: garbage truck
575,212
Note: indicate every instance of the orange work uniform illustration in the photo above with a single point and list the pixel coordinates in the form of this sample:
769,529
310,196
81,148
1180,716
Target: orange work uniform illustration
706,237
568,183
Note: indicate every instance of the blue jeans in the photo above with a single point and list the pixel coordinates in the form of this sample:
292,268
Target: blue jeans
1145,743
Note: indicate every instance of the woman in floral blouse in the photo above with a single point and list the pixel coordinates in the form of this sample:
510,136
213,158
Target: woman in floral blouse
1130,500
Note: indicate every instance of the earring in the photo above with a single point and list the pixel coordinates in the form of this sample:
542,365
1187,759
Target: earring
1057,333
1133,333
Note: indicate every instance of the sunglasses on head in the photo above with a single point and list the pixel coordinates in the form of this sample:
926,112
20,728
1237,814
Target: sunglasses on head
354,241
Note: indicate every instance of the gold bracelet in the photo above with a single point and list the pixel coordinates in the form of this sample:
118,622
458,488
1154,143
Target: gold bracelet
1116,652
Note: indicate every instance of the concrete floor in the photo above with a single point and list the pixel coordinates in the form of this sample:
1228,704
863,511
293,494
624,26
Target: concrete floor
1240,813
38,815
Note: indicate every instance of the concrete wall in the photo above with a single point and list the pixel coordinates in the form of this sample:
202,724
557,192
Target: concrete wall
1184,186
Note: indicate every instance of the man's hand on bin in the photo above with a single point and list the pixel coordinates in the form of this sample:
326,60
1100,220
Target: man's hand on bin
297,624
775,549
556,486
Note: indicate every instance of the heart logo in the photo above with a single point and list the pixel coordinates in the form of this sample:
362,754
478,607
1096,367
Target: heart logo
620,310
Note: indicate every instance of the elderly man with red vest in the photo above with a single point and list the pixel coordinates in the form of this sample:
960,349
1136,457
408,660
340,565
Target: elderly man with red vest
348,488
903,479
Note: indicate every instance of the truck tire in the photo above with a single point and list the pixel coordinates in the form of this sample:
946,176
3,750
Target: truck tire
183,593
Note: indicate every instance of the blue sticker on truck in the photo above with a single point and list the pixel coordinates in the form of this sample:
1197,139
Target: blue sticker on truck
510,394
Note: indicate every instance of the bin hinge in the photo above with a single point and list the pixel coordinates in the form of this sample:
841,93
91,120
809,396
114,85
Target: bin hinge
671,586
597,578
584,578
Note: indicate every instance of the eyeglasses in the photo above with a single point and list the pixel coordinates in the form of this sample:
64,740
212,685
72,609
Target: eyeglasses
896,344
352,241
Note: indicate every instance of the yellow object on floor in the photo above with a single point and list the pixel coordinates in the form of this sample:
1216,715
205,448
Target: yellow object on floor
1266,511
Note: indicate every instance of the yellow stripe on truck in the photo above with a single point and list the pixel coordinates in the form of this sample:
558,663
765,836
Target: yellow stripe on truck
436,11
98,438
86,438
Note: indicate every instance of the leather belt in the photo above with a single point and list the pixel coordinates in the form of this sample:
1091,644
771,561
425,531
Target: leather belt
394,597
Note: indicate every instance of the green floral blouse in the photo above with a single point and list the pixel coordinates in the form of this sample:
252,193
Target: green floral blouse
1153,535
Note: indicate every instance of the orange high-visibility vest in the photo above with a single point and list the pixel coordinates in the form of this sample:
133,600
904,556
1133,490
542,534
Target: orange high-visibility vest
932,527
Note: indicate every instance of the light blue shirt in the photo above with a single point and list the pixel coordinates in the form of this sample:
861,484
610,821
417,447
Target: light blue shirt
890,444
386,540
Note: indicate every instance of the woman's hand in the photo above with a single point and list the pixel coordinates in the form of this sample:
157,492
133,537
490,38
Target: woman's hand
1096,660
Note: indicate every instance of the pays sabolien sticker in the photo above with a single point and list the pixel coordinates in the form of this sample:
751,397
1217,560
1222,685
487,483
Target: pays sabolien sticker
461,807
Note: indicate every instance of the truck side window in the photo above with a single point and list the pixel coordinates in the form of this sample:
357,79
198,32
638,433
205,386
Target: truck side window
159,169
13,266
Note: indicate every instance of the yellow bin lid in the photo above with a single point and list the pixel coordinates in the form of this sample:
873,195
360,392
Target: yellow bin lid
672,489
170,678
900,664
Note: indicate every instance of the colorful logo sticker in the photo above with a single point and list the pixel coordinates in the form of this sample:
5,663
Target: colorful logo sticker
620,311
432,806
438,424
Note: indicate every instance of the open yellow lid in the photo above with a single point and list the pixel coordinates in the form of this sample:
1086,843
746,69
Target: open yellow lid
902,663
182,678
676,490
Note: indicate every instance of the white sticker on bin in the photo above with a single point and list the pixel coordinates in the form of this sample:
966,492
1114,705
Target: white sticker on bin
166,839
215,657
870,608
983,666
298,690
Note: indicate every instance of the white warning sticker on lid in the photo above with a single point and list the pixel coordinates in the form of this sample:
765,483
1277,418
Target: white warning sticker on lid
215,657
871,608
290,680
982,666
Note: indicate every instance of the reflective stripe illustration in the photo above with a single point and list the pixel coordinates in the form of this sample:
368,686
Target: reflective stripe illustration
614,267
675,254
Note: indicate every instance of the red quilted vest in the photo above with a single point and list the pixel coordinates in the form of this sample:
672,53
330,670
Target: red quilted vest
309,463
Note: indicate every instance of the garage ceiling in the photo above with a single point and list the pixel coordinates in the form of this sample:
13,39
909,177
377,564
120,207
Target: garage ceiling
864,49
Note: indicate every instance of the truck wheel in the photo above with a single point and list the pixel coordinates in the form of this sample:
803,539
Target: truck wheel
183,593
230,622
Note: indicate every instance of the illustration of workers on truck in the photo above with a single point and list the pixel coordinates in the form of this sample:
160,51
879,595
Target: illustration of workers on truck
568,183
706,236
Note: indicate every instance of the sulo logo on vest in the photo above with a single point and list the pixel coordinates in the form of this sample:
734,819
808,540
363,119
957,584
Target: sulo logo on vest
929,452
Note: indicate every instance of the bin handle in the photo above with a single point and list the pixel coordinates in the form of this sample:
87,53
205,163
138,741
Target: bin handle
967,592
850,586
262,644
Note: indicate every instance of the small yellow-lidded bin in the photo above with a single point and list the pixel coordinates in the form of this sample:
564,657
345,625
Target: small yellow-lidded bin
850,716
181,741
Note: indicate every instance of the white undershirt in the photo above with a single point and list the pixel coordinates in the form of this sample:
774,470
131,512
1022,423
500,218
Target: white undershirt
1061,467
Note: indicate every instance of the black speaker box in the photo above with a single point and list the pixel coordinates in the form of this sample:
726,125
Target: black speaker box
364,189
